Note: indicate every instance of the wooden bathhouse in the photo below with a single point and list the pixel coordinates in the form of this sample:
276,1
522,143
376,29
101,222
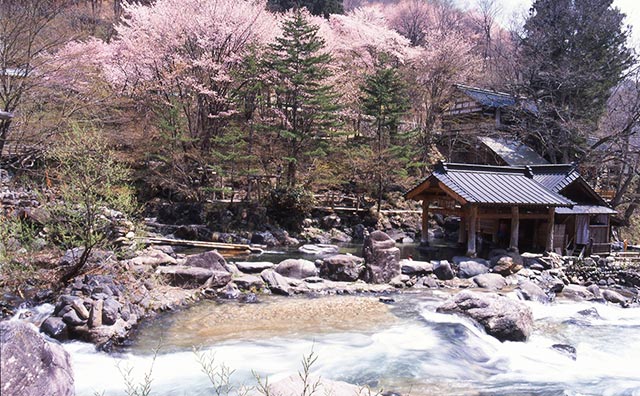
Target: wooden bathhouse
527,208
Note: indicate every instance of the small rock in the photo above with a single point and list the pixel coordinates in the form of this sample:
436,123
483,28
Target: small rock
54,327
528,290
469,269
442,269
95,318
414,267
277,283
253,267
615,297
296,268
71,318
565,349
248,282
110,310
386,300
490,281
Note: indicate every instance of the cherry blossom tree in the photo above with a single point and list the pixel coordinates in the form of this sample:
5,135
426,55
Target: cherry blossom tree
183,54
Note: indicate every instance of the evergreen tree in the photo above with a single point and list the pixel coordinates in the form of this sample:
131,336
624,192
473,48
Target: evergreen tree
385,100
315,7
572,53
305,108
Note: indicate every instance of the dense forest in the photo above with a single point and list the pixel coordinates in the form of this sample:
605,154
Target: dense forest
196,100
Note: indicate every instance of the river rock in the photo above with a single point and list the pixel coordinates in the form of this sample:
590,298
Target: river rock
253,267
501,317
505,265
296,268
528,290
110,310
55,327
566,349
210,260
264,238
248,282
277,283
342,267
490,281
95,317
295,386
470,268
614,297
381,257
319,249
577,293
71,318
442,269
414,267
193,277
31,365
154,258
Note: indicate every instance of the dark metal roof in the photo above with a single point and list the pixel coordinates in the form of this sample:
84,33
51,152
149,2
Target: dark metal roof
555,177
586,209
499,185
488,98
512,151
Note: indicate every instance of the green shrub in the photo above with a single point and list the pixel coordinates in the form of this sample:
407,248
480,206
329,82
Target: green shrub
289,206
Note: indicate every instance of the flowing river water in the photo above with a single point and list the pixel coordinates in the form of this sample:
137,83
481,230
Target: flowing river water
404,347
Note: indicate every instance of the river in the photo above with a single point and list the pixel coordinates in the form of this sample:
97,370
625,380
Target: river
404,347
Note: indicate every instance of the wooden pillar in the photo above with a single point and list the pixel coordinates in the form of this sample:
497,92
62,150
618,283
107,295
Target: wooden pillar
471,235
424,236
515,228
462,231
550,226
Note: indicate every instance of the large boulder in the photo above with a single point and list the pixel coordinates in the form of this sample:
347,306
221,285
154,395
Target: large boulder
210,260
31,365
414,267
381,257
501,317
342,267
296,268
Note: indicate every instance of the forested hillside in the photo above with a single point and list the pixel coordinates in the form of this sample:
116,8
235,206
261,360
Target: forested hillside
210,99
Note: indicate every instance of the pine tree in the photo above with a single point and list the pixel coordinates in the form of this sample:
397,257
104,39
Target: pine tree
304,102
384,98
573,52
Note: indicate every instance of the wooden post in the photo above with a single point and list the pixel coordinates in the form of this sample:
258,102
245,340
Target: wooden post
462,231
424,236
471,235
515,228
550,226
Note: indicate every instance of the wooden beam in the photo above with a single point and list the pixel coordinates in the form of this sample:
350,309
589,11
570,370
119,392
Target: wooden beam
462,231
550,226
471,234
424,234
452,193
515,228
523,216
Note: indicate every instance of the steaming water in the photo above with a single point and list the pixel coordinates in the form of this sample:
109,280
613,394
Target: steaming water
406,347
